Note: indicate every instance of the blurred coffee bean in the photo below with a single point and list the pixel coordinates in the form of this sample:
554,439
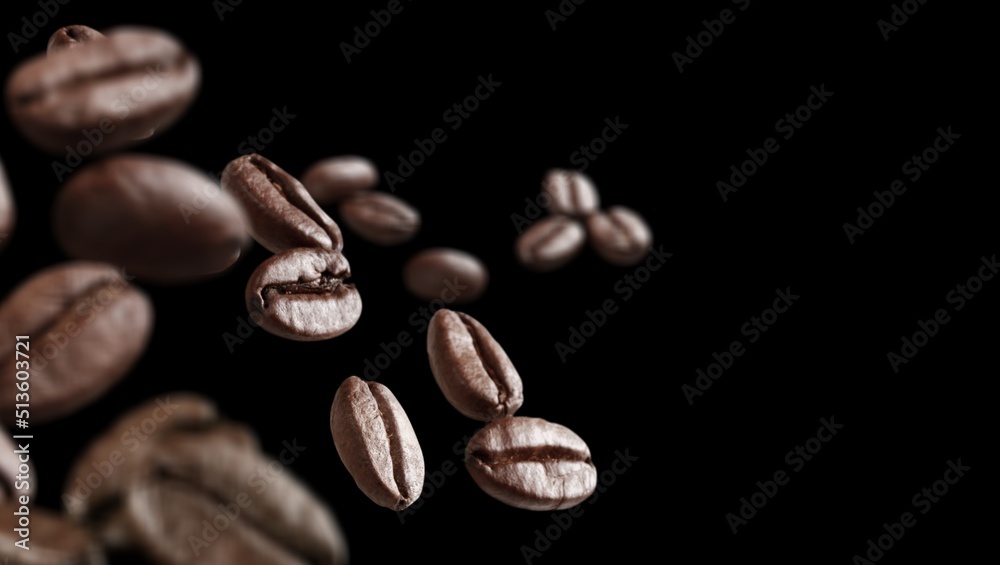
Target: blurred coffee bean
331,180
53,539
571,193
71,37
550,243
380,218
449,275
620,236
7,214
11,488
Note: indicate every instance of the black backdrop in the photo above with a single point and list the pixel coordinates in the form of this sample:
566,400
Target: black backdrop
826,357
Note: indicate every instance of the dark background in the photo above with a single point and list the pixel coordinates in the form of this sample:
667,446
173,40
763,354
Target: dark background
825,357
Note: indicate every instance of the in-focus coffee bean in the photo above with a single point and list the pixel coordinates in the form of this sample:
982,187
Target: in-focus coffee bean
570,192
550,243
52,538
450,275
281,213
377,444
71,37
103,95
88,327
471,368
158,218
620,236
7,214
380,218
331,180
302,294
531,463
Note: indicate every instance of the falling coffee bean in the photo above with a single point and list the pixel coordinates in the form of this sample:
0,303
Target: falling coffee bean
453,276
380,218
620,236
550,243
281,213
71,37
570,192
102,95
377,444
158,218
6,209
331,180
54,539
301,294
90,325
531,463
471,368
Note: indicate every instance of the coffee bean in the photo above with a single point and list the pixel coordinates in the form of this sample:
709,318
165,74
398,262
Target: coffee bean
550,243
570,192
380,218
449,275
102,95
531,463
301,294
620,236
9,464
71,37
473,371
331,180
158,218
88,328
7,214
281,213
377,444
54,539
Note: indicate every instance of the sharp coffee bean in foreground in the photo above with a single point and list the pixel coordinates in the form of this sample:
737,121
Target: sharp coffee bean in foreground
620,236
450,275
332,180
130,210
376,443
380,218
531,463
550,243
302,294
102,95
89,326
280,211
471,368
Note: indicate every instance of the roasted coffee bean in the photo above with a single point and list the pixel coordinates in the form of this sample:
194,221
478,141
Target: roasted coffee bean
71,37
281,213
473,371
380,218
6,209
620,236
377,444
331,180
570,192
301,294
531,463
218,467
158,218
88,328
102,95
550,243
12,488
54,539
450,275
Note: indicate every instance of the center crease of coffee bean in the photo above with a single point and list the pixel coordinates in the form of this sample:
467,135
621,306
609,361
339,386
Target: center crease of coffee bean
490,371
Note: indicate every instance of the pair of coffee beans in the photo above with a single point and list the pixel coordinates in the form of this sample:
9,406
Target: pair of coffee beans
524,462
378,217
196,488
7,214
93,92
89,326
300,293
619,236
